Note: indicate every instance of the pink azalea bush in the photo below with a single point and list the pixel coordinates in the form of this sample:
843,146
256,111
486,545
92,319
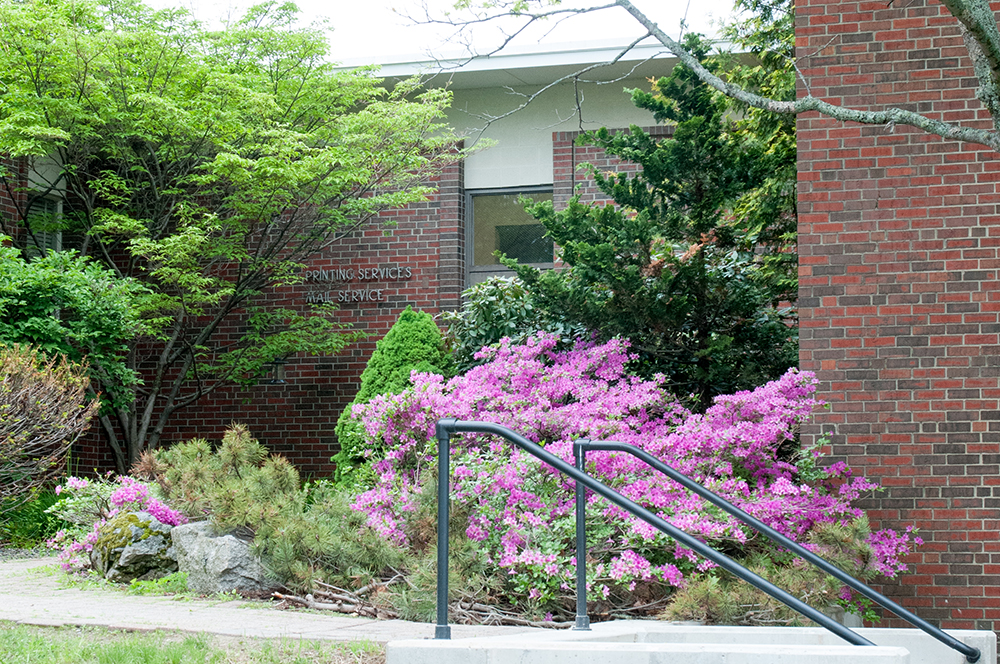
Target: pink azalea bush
89,504
521,511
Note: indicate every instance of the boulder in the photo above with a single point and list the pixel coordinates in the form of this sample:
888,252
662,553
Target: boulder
218,563
133,545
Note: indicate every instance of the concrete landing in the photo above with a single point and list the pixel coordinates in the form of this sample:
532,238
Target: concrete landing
642,642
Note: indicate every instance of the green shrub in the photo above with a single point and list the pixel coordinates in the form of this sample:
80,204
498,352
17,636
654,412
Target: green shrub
327,541
28,525
413,343
496,308
240,487
44,408
302,535
722,599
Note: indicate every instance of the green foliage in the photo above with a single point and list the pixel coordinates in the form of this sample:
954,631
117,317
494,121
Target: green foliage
86,505
171,584
766,214
722,599
493,309
469,576
209,165
44,409
413,343
28,525
695,257
241,487
66,304
303,535
328,541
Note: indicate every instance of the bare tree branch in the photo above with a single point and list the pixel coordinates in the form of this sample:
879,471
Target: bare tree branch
977,23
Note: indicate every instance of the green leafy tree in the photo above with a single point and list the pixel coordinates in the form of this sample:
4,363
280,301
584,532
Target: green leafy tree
413,343
695,257
209,165
65,304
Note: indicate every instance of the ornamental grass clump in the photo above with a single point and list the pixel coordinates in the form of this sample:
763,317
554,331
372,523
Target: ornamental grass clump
520,512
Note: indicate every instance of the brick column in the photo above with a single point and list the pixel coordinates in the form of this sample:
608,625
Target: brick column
898,237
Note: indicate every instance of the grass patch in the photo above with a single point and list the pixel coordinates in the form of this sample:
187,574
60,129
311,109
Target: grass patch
23,644
173,585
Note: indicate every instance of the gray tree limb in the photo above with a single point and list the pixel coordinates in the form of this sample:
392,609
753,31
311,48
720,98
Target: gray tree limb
889,116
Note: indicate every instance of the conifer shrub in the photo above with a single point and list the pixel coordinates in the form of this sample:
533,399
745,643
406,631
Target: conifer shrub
302,534
722,599
414,343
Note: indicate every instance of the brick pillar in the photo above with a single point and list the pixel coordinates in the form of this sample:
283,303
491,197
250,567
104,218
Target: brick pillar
898,236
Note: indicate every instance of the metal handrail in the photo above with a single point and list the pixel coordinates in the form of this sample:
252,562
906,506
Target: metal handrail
583,445
443,431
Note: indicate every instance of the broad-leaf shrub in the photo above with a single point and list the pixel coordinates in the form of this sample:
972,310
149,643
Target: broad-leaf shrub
521,512
44,408
87,504
496,308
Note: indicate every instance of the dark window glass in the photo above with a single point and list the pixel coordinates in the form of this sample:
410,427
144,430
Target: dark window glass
501,224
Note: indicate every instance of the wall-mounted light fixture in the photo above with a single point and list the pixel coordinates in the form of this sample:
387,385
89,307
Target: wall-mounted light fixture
277,371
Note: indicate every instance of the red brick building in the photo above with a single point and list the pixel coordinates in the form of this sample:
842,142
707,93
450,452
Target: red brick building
899,300
432,250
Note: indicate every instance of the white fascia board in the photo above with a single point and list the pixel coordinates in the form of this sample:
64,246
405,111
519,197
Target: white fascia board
460,71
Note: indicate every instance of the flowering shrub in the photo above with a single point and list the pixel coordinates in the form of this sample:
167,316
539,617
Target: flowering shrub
521,512
88,504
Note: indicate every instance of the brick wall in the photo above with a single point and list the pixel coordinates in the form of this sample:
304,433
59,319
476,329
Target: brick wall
898,299
12,195
567,157
424,246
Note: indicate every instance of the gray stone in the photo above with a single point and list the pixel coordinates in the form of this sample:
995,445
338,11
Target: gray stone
218,563
133,545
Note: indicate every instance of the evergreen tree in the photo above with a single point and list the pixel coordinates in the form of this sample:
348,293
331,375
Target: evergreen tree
413,343
695,259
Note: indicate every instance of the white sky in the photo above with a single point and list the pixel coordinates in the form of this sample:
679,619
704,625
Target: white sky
369,31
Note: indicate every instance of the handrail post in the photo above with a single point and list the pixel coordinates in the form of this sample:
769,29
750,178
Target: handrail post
582,619
443,430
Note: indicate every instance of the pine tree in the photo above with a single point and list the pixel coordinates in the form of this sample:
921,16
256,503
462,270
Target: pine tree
695,259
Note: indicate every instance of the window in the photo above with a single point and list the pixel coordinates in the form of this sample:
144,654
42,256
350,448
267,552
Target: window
498,223
45,221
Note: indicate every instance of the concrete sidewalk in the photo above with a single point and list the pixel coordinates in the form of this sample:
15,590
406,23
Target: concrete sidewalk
31,595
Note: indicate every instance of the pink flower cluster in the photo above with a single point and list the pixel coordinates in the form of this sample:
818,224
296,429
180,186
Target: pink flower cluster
130,495
521,511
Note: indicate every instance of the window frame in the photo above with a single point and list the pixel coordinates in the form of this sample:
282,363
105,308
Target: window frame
50,240
484,272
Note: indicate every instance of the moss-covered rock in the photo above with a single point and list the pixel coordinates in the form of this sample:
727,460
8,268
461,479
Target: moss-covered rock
133,545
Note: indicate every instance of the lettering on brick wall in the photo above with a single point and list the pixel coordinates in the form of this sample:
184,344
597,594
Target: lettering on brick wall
383,273
366,293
